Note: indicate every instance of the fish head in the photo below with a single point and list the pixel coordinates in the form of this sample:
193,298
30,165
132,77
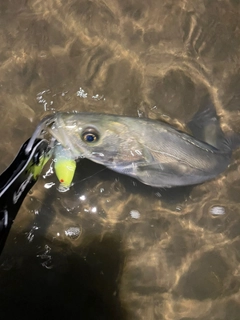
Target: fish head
99,137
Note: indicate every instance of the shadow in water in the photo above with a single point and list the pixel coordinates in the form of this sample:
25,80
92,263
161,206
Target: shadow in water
82,285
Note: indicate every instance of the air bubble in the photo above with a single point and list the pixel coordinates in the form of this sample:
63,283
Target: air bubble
73,232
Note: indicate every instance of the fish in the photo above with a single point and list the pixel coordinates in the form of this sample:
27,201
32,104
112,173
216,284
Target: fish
151,151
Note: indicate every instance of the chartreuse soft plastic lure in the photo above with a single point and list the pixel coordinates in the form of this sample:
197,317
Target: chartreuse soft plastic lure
64,166
36,169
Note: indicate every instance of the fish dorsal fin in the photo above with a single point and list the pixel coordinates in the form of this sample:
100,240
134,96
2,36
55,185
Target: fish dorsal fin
205,125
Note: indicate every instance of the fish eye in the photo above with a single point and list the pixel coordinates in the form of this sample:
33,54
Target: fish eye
90,135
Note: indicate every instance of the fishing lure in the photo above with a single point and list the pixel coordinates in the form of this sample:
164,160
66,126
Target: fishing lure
64,167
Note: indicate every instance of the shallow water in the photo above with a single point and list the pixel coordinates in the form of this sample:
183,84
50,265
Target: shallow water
135,252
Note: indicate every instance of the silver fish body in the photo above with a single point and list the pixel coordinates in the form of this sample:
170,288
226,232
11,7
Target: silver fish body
151,151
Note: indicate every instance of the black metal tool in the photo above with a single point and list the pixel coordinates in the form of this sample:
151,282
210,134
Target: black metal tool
18,179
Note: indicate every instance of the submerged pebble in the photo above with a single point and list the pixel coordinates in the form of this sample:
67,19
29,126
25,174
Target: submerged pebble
217,211
135,214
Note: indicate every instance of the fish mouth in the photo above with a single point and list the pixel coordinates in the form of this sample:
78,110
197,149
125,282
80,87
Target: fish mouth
60,132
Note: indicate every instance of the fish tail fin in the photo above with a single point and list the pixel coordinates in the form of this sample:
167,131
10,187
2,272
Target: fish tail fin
205,126
232,140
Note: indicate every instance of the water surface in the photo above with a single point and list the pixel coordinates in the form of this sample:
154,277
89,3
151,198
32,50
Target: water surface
112,248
